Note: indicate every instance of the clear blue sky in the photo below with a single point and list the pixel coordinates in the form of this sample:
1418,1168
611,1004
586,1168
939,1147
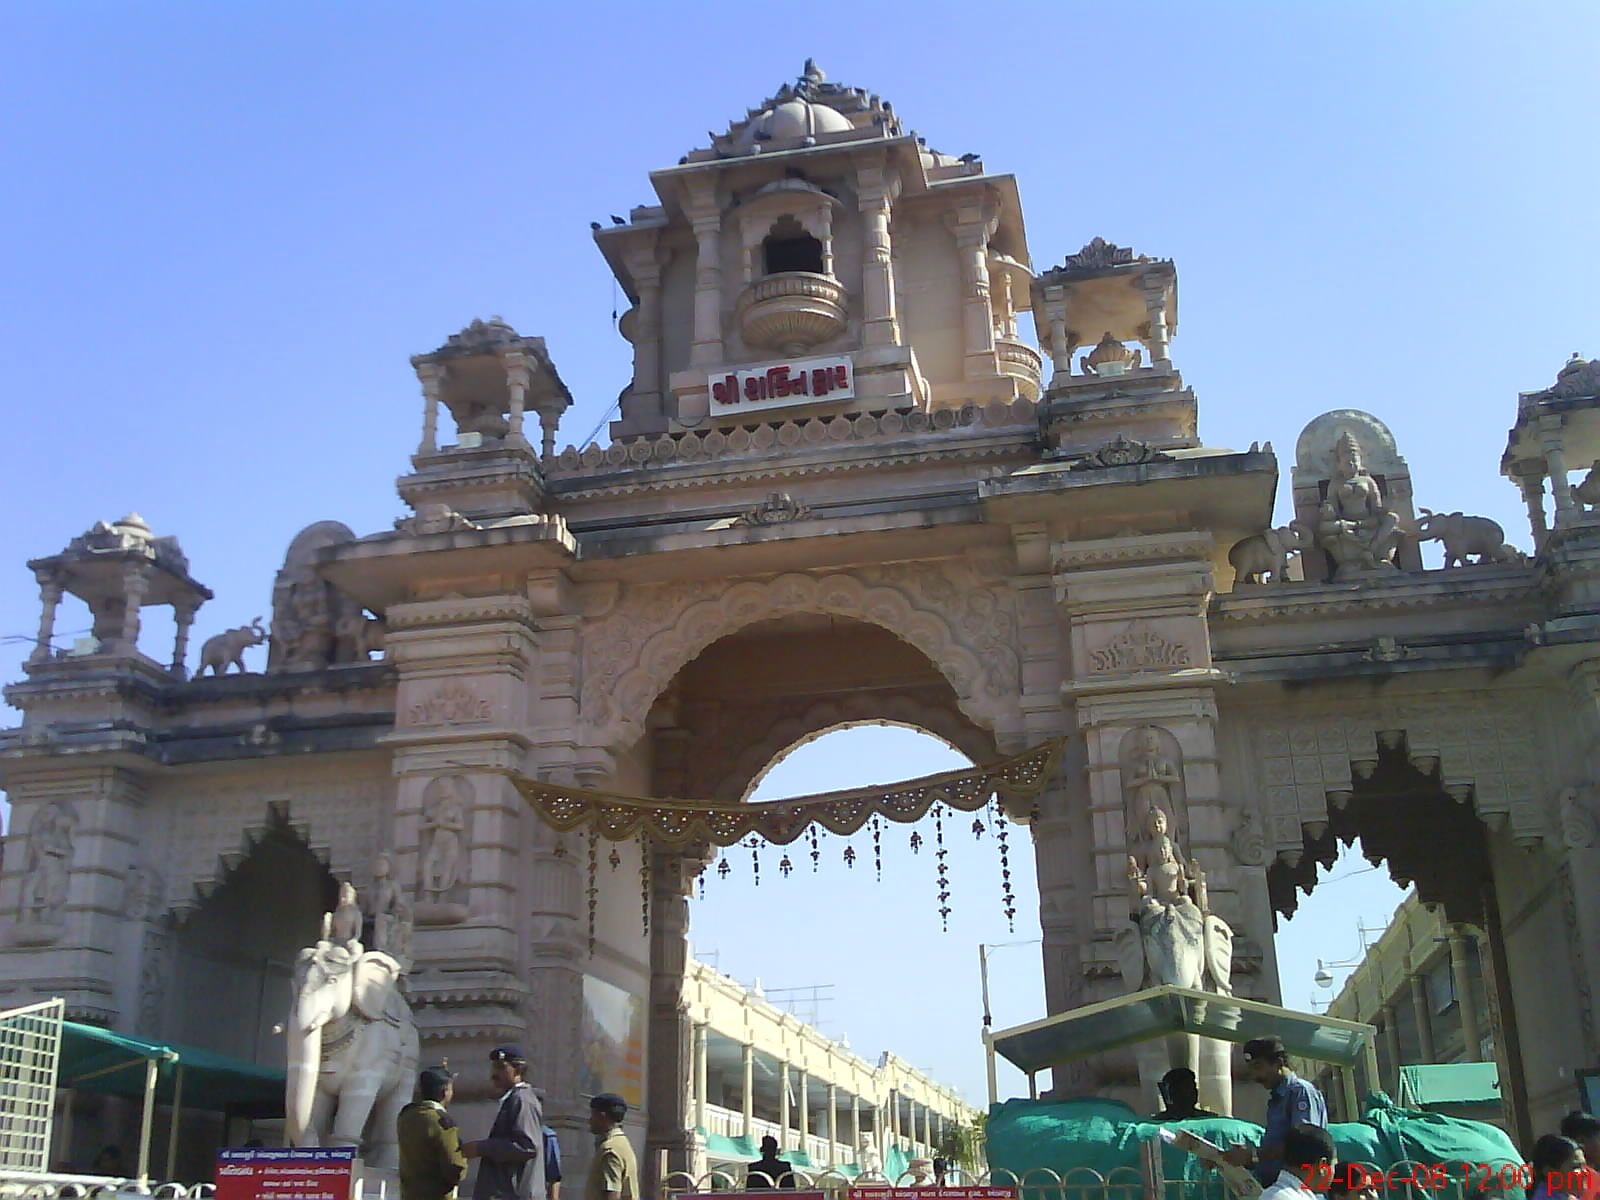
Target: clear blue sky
226,227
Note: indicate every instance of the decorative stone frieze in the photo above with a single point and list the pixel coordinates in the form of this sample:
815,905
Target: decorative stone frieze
965,625
449,704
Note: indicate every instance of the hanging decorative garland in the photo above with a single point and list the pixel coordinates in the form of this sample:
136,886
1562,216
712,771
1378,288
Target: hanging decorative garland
644,879
1002,838
594,888
674,823
940,854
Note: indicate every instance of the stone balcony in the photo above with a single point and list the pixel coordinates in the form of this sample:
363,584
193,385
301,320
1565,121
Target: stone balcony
791,311
1023,363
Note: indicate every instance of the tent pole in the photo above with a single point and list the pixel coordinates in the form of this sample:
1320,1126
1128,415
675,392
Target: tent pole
1373,1081
151,1070
172,1129
1347,1086
994,1083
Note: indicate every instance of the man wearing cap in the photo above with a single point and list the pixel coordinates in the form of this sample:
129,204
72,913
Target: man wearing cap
1291,1101
510,1166
614,1174
431,1162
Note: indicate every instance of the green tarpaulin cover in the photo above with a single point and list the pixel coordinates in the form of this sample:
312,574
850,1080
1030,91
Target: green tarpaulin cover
98,1060
1104,1135
1450,1084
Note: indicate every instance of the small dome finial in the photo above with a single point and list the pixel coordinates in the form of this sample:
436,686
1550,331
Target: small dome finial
812,72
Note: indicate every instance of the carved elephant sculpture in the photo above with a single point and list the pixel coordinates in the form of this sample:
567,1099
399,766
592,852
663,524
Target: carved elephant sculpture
1267,553
227,648
352,1053
1463,535
1588,492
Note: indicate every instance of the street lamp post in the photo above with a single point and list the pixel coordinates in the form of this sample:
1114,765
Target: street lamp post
988,1017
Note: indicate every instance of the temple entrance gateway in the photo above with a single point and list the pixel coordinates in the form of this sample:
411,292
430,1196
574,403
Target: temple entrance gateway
1047,567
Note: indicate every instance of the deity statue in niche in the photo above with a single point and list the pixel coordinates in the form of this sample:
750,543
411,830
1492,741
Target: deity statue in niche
1151,778
44,887
444,824
1359,533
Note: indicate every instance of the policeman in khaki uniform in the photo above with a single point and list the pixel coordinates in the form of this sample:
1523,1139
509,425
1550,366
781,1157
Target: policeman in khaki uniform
431,1162
614,1174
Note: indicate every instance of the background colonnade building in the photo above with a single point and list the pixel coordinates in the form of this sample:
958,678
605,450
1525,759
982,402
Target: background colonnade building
758,1071
839,454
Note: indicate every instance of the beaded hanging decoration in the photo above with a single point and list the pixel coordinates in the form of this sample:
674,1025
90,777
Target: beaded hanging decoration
1002,839
940,854
816,851
644,879
755,858
594,890
877,847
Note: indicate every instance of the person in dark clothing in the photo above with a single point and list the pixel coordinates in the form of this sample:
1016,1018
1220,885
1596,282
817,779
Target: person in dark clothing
510,1166
1182,1093
1291,1101
431,1161
768,1171
1583,1128
552,1156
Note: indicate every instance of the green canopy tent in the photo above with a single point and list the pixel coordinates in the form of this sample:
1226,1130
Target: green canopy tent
98,1060
1161,1011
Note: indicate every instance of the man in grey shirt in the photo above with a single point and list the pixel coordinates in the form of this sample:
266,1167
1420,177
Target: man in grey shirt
510,1166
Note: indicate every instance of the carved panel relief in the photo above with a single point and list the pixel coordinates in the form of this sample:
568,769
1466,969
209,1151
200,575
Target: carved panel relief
964,624
1139,648
1150,763
452,703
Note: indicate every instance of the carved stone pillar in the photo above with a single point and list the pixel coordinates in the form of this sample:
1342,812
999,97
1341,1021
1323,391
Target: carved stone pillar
1155,305
1532,486
833,1124
1460,968
184,619
644,400
701,1036
855,1128
894,1116
1061,346
1556,463
135,584
877,189
707,351
747,1099
517,379
1419,1007
972,228
432,377
49,601
671,876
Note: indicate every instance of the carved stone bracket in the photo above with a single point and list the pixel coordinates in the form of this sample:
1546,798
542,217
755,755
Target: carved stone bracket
777,509
1122,451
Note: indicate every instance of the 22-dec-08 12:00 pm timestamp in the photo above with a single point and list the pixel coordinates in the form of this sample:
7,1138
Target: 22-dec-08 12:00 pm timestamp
1463,1176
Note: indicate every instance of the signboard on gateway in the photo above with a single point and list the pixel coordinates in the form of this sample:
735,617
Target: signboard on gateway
281,1173
783,385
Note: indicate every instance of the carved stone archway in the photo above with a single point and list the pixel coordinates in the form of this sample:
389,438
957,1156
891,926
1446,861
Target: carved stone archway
964,625
745,773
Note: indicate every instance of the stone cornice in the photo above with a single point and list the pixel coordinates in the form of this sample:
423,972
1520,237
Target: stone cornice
1463,587
1197,546
459,610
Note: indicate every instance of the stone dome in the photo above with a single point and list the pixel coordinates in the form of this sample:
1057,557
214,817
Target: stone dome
794,120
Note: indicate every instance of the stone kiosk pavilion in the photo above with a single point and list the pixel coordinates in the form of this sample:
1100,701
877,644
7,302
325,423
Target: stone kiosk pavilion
838,457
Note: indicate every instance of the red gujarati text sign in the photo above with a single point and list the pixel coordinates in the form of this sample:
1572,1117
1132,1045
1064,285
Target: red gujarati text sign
284,1173
779,385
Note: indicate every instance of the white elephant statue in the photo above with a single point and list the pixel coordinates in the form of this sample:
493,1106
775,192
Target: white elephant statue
352,1051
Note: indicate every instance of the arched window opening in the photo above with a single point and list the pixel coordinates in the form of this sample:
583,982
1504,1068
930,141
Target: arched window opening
788,247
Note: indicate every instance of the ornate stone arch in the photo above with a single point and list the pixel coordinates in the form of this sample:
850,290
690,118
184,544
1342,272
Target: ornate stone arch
1483,754
744,772
965,627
